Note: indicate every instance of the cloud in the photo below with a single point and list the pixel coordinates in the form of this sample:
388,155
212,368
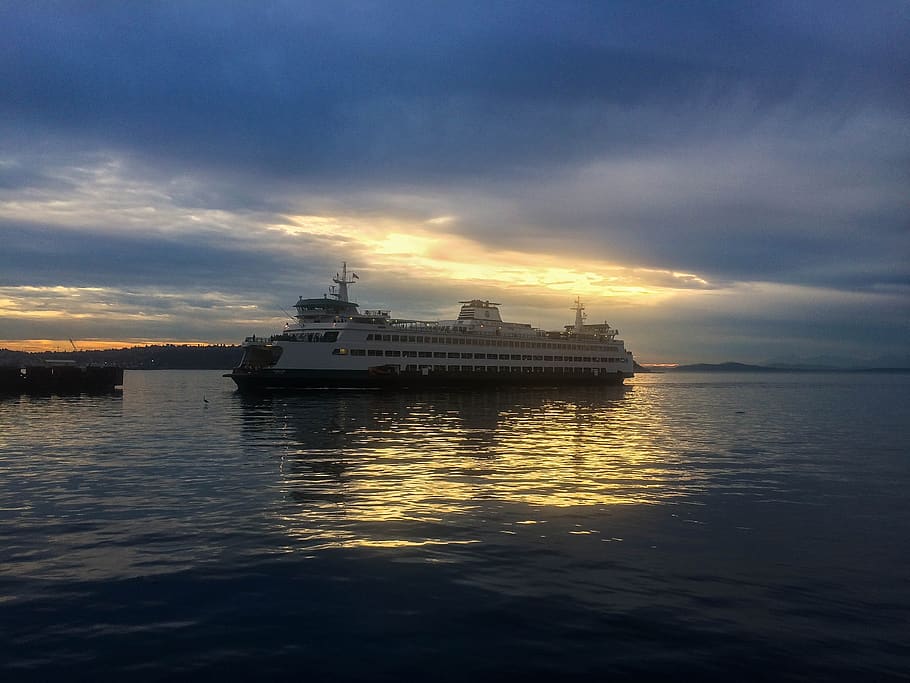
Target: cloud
652,157
347,90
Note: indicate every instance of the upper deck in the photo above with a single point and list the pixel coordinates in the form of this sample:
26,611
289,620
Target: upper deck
478,319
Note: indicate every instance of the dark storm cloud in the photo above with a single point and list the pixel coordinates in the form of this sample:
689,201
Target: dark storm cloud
15,178
44,255
410,89
355,97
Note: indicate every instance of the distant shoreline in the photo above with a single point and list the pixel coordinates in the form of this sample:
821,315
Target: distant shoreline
227,356
155,357
745,367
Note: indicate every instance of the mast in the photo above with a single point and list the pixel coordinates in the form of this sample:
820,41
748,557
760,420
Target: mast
579,315
343,282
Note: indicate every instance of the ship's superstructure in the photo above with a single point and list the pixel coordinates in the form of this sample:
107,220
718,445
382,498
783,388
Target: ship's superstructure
332,343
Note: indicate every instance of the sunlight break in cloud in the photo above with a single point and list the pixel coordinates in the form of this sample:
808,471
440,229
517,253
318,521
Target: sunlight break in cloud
388,245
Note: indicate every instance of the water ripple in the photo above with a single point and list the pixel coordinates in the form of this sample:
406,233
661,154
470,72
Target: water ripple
764,515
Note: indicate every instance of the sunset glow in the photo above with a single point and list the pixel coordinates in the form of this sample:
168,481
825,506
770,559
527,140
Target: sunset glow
58,345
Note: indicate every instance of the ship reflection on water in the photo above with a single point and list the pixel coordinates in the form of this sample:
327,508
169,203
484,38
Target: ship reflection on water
394,468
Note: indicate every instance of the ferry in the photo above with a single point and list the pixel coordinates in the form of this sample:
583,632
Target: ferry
332,343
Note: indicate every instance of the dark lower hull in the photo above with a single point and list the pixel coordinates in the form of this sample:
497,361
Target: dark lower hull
60,380
259,380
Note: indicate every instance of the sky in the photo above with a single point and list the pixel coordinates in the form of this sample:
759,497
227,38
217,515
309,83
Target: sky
722,181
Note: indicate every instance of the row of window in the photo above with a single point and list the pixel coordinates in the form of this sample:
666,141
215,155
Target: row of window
474,341
472,356
505,368
332,336
329,336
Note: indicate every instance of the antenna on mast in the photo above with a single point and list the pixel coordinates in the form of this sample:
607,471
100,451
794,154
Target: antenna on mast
342,281
580,315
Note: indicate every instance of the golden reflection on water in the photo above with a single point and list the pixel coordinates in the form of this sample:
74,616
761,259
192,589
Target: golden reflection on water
369,468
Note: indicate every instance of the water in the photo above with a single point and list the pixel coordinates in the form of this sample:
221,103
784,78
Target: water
707,526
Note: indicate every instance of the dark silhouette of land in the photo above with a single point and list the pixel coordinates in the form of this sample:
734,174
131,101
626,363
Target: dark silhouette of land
162,357
745,367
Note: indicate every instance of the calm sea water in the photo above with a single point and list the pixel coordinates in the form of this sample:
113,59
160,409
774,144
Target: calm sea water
752,527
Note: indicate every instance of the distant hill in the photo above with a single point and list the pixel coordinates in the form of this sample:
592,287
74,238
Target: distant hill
744,367
161,357
722,367
831,362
